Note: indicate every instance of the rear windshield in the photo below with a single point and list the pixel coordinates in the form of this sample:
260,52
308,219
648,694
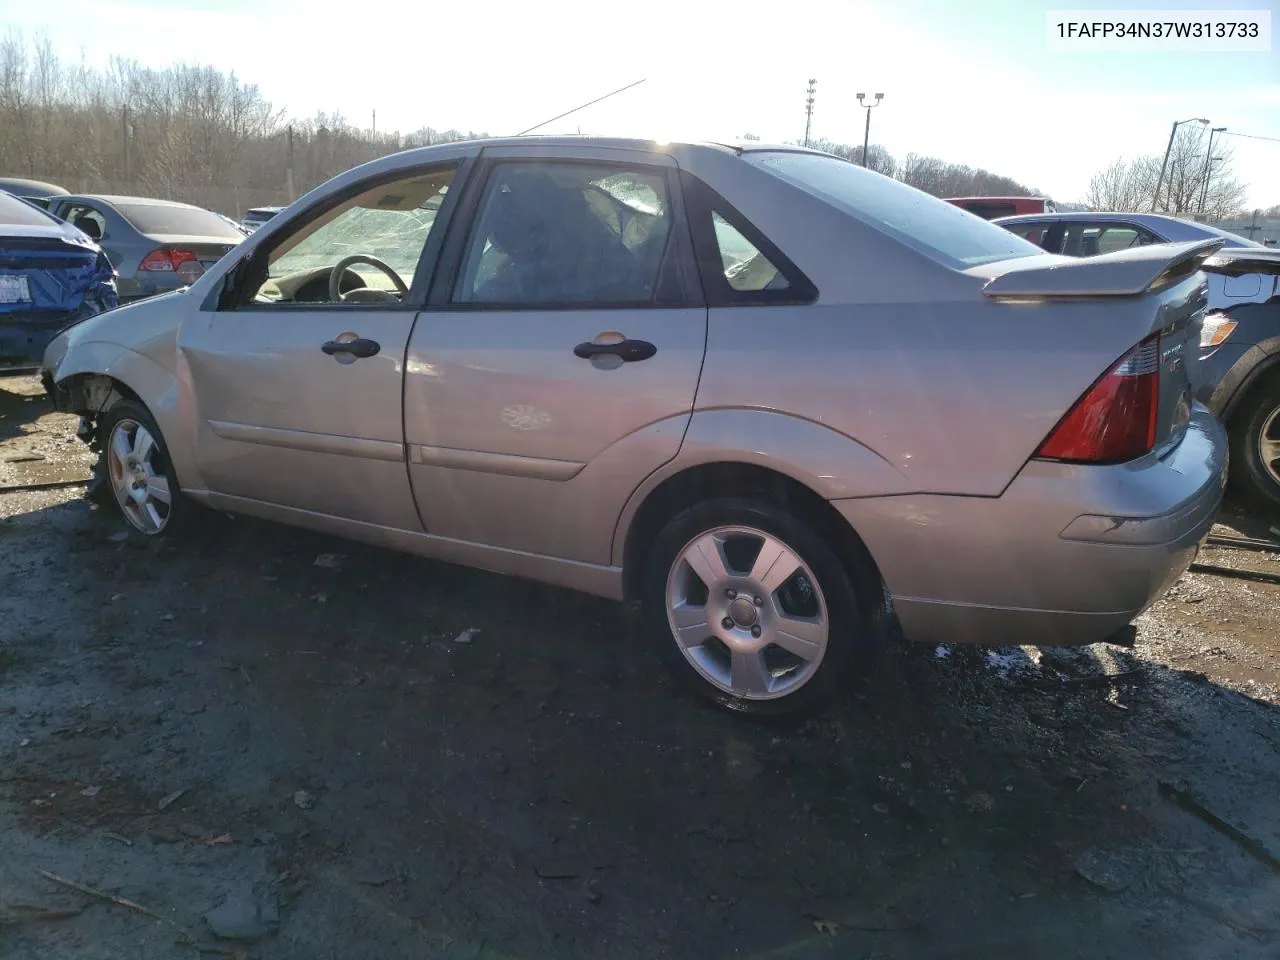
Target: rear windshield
1235,238
18,213
259,214
935,227
159,218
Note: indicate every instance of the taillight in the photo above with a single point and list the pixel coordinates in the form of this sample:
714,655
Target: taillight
1116,419
172,260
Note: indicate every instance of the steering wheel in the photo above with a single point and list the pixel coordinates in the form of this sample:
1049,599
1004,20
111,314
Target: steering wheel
339,268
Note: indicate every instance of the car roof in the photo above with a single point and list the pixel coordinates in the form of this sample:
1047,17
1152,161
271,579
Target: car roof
114,199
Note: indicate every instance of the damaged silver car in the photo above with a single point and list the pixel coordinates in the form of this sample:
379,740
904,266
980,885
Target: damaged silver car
756,388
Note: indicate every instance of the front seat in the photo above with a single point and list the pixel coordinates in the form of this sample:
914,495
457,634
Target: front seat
89,227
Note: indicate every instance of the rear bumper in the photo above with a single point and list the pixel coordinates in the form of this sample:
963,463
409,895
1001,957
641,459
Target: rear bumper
1066,555
23,340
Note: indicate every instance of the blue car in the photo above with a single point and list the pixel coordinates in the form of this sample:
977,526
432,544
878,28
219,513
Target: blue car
51,276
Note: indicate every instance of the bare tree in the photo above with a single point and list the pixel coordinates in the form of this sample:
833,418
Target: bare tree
1130,185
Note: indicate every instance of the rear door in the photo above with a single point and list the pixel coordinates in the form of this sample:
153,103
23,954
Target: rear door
557,364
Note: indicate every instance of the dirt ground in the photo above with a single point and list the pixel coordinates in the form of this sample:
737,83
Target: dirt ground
281,737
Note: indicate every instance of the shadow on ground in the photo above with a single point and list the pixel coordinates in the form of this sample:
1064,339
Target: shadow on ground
406,759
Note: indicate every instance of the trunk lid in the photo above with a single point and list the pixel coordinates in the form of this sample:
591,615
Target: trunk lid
208,250
1163,293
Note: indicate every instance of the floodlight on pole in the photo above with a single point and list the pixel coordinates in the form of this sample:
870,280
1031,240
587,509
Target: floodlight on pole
866,135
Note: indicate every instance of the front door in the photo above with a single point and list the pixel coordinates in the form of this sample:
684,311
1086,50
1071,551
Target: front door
298,374
557,363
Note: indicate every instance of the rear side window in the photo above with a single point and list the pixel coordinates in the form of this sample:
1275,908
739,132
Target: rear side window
936,228
18,213
161,219
569,234
745,267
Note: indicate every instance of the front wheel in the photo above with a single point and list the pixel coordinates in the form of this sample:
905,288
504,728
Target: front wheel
753,609
135,464
1255,448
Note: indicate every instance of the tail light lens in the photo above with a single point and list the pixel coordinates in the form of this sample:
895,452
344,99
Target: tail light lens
1115,420
174,260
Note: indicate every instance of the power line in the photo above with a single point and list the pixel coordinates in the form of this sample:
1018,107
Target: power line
1252,136
581,107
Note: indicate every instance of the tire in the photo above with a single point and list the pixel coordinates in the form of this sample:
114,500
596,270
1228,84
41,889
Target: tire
1255,478
731,656
137,474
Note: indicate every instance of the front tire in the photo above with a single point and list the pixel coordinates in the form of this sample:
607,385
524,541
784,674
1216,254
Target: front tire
134,462
1255,449
753,609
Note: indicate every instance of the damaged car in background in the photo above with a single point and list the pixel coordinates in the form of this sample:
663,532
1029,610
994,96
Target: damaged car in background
755,388
51,275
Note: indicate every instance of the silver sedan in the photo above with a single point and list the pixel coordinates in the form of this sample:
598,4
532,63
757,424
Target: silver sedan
774,396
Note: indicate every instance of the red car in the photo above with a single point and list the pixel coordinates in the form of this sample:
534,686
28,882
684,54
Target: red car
988,208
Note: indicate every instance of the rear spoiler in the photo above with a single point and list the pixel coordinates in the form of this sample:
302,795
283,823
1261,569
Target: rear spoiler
1238,261
1124,273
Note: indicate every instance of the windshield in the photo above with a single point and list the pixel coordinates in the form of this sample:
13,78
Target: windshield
171,219
19,213
937,228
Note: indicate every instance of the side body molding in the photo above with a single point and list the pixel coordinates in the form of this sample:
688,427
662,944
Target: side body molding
834,466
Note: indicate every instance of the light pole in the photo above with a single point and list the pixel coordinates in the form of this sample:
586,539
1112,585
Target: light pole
1155,199
866,136
1208,163
808,110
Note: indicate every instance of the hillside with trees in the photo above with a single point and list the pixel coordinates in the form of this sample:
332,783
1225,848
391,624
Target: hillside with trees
197,134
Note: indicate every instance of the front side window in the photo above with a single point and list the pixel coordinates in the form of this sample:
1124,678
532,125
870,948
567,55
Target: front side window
385,228
936,228
567,233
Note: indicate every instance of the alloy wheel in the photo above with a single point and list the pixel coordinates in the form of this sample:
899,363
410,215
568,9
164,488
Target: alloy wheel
747,612
139,477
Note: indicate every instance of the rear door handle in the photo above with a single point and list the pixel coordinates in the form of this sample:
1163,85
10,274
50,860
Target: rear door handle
359,347
630,351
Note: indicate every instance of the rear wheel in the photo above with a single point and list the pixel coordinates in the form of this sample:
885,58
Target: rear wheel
1255,448
135,464
753,609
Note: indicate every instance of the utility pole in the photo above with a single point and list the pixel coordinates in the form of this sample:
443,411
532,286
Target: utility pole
866,134
375,126
808,110
1208,169
288,173
128,152
1155,198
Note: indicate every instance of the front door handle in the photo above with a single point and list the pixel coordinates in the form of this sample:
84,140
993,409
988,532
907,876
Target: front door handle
629,351
356,347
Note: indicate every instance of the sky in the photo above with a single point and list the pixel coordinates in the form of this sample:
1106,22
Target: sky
970,81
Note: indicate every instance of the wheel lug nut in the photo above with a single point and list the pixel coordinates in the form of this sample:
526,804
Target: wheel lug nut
731,594
755,631
758,601
727,623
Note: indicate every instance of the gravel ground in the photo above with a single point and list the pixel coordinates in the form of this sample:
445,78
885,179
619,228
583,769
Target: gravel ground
266,743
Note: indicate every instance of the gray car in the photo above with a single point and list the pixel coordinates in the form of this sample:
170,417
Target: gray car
155,245
1238,376
759,389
